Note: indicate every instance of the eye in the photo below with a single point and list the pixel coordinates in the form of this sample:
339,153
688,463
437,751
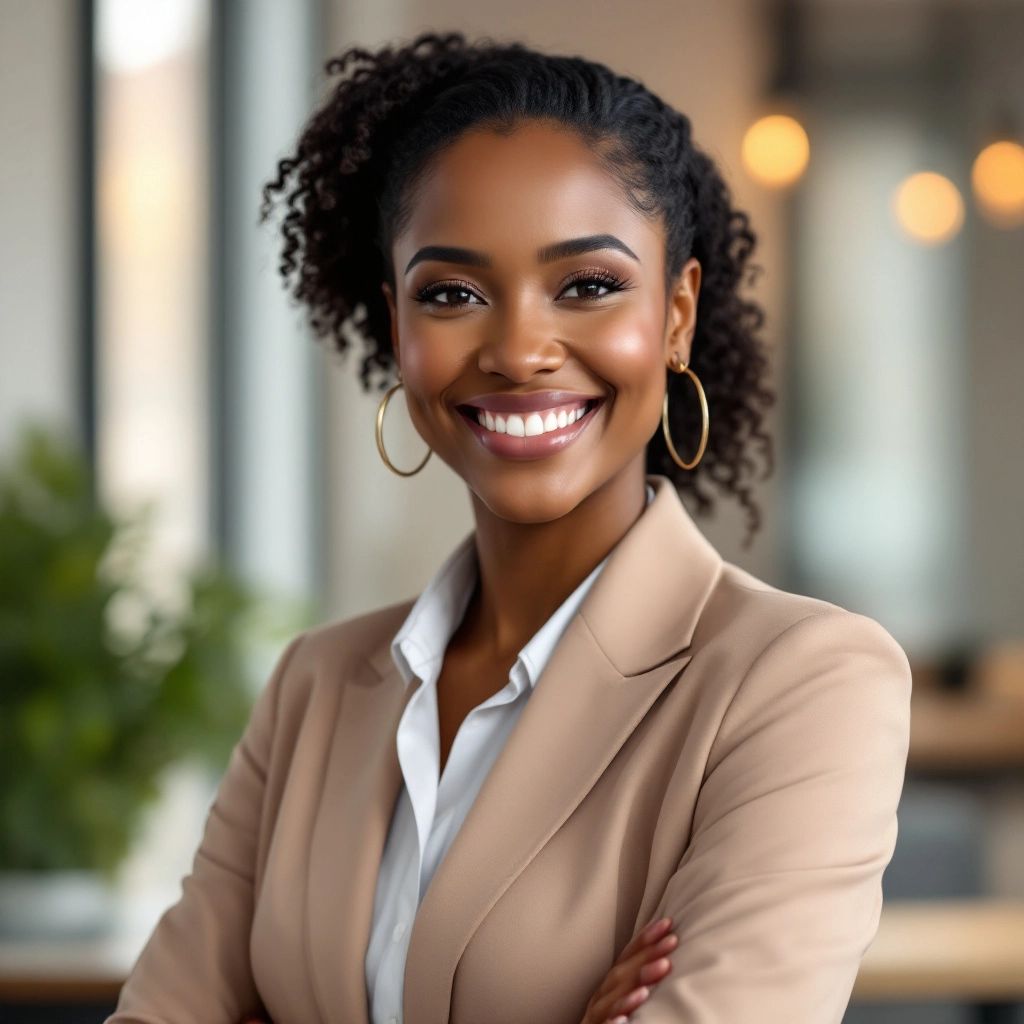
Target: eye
459,293
429,295
585,280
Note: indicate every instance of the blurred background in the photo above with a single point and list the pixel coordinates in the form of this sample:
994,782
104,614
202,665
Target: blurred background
188,478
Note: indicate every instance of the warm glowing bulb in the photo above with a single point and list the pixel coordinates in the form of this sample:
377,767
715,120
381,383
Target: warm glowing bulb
775,150
998,181
929,208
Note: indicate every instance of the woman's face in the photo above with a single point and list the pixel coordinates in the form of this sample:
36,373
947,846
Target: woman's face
509,317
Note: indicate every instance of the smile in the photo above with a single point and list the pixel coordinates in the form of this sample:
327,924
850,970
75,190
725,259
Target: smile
529,435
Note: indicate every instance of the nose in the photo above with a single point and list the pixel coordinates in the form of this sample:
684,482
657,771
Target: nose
519,344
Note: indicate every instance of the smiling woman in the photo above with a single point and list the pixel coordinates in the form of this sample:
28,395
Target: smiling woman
590,741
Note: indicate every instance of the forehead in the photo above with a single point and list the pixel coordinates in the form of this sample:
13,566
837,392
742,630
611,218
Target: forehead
514,193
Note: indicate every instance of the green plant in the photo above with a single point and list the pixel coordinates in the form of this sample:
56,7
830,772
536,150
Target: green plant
102,686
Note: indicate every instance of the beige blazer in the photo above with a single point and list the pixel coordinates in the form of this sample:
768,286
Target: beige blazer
701,744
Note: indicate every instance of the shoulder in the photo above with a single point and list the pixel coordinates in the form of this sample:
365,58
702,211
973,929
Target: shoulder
778,653
753,616
334,651
805,688
356,638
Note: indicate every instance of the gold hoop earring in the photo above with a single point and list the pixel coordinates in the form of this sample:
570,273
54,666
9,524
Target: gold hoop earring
380,436
705,417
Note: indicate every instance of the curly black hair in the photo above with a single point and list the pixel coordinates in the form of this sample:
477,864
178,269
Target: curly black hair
351,182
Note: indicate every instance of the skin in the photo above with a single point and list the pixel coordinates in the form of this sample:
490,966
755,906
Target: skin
518,325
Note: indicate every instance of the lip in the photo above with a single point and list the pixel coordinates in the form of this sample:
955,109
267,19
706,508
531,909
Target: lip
527,401
538,446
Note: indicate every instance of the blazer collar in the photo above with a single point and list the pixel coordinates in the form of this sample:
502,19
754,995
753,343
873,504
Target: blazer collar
668,569
644,607
628,640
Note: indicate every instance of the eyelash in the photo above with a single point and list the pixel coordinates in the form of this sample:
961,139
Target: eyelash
611,281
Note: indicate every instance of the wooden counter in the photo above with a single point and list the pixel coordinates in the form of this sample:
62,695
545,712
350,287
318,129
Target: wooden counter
965,733
967,951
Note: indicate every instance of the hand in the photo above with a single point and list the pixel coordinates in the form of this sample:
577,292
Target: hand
641,964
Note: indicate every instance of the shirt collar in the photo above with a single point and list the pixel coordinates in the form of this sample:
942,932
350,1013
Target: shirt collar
419,645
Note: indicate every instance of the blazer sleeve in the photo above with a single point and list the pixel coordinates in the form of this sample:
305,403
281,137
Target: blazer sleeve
195,965
779,892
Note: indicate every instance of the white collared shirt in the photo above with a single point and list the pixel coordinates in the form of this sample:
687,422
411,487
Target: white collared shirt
427,814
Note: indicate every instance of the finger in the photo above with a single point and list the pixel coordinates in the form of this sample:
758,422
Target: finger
625,974
655,930
631,965
655,971
631,1001
610,1000
625,1000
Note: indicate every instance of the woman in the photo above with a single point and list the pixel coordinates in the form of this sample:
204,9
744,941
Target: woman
468,807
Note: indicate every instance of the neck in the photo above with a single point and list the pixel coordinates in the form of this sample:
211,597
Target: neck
528,569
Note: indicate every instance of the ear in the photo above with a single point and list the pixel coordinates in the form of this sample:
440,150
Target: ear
681,322
389,296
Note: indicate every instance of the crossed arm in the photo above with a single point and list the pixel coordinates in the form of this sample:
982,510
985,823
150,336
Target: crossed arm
774,902
778,894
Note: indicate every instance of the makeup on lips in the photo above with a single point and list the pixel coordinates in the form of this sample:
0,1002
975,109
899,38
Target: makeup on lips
528,426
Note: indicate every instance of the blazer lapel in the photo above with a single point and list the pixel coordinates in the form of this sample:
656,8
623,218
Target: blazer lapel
627,642
362,780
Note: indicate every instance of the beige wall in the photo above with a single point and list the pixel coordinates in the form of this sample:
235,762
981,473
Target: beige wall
38,213
709,60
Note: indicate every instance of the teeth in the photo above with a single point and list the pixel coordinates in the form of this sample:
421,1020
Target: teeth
534,423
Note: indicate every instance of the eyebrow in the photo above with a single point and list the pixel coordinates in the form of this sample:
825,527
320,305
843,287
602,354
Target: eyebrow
547,254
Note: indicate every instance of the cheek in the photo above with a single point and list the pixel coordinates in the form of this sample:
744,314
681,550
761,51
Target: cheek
627,353
431,360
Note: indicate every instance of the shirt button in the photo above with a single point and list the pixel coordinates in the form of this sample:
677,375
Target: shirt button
397,933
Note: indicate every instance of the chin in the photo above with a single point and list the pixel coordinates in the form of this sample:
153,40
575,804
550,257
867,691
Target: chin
519,499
